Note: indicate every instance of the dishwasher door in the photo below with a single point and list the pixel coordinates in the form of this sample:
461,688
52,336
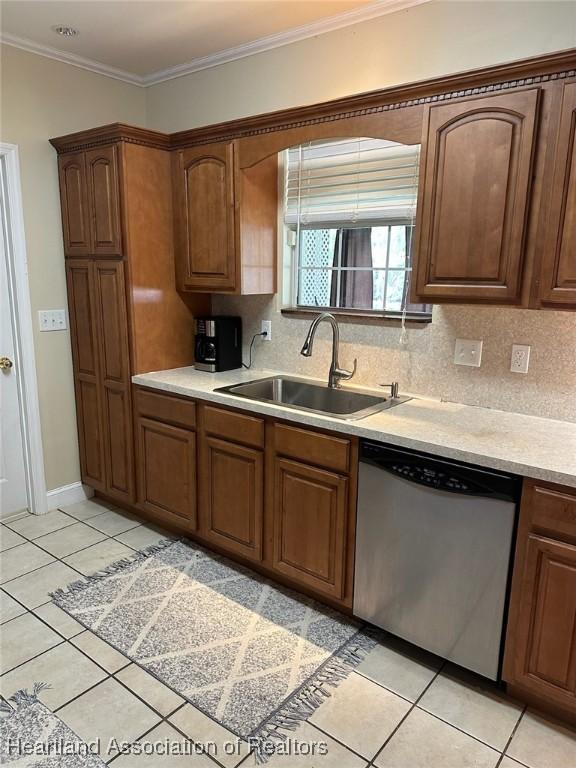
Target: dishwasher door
432,564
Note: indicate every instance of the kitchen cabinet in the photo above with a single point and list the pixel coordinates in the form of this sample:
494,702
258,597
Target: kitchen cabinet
74,203
232,481
558,275
474,194
541,639
309,533
87,377
205,218
312,509
112,333
126,315
104,201
166,470
99,332
90,202
233,493
166,457
225,221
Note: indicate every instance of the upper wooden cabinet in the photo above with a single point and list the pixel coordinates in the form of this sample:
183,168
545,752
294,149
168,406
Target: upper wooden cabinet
475,181
558,276
205,221
225,221
90,200
104,201
74,203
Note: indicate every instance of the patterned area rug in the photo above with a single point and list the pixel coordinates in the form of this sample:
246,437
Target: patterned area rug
256,658
32,737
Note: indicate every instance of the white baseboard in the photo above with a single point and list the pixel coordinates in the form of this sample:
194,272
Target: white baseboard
68,494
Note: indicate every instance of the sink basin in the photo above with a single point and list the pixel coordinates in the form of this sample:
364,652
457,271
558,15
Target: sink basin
307,396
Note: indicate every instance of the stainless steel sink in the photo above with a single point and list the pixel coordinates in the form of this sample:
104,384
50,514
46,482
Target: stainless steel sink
303,395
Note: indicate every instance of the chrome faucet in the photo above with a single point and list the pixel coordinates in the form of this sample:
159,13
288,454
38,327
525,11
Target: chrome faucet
336,374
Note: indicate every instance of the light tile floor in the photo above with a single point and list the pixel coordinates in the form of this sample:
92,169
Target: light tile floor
402,708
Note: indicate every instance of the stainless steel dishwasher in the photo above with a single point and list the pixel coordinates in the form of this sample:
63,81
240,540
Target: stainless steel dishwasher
433,552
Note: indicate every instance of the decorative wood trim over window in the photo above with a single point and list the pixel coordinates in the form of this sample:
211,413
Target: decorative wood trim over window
518,74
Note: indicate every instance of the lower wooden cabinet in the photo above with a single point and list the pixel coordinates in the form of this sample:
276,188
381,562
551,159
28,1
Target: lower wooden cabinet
309,526
99,329
279,496
166,470
232,496
541,639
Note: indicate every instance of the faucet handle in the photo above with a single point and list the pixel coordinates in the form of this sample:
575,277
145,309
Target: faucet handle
394,389
345,375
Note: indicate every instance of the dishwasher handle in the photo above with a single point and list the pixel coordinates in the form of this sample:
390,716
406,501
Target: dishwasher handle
441,475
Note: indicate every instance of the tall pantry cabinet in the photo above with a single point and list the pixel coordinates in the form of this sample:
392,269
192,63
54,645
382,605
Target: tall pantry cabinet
126,315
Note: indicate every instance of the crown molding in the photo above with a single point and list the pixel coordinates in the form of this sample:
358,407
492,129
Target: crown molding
70,58
320,27
107,134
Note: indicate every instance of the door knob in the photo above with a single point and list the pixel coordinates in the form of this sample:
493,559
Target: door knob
5,363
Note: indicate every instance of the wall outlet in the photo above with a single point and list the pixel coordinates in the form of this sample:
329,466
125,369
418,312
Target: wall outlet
520,358
267,329
468,352
52,319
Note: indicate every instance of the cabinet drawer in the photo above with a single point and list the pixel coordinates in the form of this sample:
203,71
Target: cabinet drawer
553,510
235,426
314,447
174,410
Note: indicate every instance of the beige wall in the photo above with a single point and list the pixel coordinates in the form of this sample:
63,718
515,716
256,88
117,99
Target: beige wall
425,41
42,98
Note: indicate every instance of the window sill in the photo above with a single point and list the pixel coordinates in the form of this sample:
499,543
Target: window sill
359,317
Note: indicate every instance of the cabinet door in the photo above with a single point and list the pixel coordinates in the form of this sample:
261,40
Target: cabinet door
545,638
115,374
167,470
104,199
205,221
558,278
475,177
81,308
309,526
74,204
232,492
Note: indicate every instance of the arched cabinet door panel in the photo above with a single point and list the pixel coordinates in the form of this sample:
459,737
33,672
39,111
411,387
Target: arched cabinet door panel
475,179
74,204
205,218
104,197
558,278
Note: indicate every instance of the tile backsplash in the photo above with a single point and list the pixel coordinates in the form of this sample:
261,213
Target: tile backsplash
424,365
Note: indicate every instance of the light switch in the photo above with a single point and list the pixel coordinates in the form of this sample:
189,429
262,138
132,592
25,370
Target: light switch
52,319
468,352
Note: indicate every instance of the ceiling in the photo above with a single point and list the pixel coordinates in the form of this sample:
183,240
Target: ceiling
153,40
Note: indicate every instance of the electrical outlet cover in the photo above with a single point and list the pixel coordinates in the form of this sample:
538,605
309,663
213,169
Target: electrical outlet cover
468,352
520,358
266,327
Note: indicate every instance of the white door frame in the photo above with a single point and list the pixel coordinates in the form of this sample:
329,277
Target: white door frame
25,363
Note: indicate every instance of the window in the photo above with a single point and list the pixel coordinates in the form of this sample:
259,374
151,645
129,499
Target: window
349,219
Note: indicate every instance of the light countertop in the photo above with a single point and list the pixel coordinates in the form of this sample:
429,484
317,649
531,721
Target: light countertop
544,449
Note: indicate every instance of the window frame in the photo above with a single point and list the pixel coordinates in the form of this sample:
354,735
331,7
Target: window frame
290,268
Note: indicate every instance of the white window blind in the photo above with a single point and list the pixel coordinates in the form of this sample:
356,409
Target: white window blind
351,182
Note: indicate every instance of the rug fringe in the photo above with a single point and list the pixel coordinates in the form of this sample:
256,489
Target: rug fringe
113,569
305,702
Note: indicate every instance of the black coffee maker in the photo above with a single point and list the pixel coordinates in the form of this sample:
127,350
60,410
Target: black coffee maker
218,343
